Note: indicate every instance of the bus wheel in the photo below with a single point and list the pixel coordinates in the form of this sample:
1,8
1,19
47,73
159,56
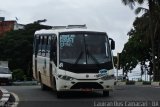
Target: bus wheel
43,87
105,93
54,85
60,94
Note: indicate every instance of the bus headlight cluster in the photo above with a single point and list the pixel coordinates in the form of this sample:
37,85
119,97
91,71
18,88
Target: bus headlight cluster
108,77
64,77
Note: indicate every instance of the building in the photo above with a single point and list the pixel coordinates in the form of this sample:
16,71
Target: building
9,25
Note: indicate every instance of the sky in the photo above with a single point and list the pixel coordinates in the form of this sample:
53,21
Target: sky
110,16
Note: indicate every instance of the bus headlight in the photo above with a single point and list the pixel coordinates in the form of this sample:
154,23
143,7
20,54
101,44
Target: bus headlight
64,77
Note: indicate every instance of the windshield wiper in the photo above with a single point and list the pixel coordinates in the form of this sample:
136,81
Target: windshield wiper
89,54
79,57
93,58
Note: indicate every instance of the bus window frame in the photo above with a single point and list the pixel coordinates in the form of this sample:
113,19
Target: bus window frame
53,53
48,46
36,44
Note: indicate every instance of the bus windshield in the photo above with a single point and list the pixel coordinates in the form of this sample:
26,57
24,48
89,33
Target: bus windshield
84,48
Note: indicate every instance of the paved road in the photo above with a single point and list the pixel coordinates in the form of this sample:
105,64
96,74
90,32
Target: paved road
33,96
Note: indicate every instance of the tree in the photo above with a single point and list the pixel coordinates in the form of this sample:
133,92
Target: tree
137,49
16,47
154,23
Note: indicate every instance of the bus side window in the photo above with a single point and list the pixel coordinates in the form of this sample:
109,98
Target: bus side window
54,50
48,47
36,44
40,46
44,43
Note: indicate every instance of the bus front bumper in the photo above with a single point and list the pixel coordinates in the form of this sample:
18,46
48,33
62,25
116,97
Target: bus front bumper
85,85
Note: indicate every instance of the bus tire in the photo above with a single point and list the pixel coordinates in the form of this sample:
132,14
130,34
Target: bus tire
43,87
105,93
54,84
60,94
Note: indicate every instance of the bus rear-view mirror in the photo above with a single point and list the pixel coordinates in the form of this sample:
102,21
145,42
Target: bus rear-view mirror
112,43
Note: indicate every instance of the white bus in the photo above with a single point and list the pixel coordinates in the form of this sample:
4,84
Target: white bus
73,58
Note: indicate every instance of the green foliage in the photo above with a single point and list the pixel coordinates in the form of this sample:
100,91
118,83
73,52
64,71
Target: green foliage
146,35
130,82
16,47
143,44
18,75
138,47
146,83
139,80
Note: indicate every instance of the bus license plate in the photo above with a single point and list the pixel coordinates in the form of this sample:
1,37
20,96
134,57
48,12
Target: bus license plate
86,90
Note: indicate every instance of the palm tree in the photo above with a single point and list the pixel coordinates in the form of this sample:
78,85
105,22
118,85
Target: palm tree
154,7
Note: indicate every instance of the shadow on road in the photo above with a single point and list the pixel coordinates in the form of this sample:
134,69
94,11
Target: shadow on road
80,94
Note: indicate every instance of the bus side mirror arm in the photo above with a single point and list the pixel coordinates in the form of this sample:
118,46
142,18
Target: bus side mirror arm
112,43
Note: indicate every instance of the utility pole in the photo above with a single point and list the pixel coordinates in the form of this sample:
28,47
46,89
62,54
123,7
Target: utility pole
118,64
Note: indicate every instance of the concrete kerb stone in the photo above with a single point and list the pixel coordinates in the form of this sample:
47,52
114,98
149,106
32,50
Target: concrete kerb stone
138,83
25,83
15,104
155,83
120,83
5,96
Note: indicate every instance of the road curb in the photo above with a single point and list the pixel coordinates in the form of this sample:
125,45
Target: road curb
138,83
155,83
119,83
16,102
5,96
27,83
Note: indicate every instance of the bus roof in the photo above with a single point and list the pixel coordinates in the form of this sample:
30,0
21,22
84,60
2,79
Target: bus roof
56,31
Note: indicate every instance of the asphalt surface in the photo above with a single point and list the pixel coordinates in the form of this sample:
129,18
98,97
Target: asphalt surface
33,96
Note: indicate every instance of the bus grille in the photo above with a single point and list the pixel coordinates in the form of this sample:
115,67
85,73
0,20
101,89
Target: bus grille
90,85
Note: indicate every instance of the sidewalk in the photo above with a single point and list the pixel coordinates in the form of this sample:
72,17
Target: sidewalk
1,94
4,96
